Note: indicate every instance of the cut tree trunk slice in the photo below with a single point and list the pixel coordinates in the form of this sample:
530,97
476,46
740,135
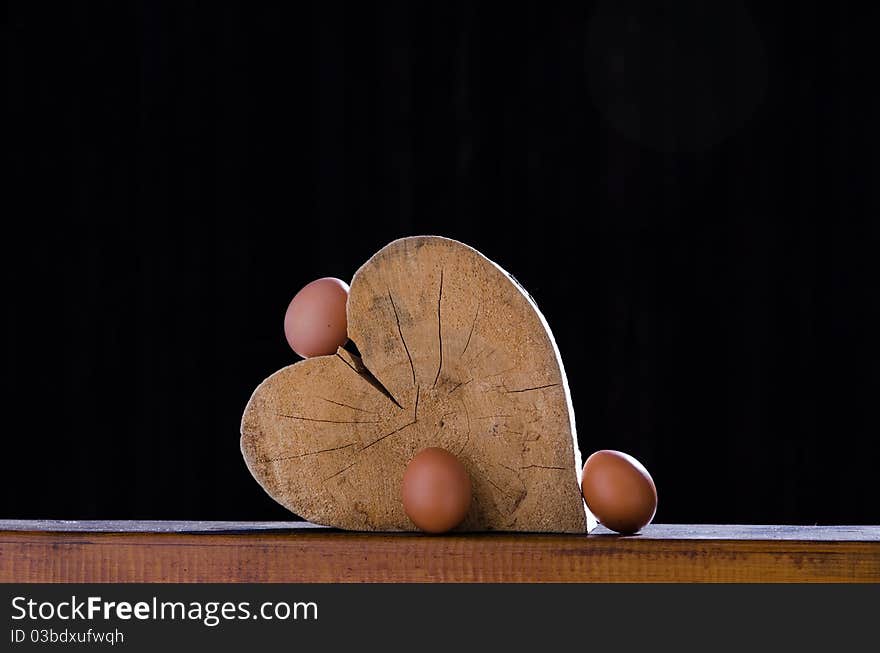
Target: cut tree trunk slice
454,354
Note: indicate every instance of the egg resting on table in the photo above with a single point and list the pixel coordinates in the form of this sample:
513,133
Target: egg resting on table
436,490
619,491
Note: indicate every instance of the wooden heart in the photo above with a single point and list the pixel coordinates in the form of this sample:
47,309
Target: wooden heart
454,354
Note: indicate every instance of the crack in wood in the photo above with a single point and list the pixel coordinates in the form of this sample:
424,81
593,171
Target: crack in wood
339,403
344,469
496,486
473,324
350,366
537,387
379,439
524,490
439,329
308,453
542,467
519,498
326,421
474,360
367,376
458,385
416,409
516,496
402,339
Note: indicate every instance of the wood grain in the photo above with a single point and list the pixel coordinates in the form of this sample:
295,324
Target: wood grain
45,551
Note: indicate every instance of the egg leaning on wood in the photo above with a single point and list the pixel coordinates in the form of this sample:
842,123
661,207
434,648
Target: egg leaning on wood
619,491
316,323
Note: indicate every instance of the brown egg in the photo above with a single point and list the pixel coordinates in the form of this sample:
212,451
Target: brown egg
315,323
436,490
619,491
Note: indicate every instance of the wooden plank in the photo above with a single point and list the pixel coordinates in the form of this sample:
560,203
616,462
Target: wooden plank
147,526
654,531
296,552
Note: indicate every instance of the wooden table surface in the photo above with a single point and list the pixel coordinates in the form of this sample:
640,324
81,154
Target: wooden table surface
174,551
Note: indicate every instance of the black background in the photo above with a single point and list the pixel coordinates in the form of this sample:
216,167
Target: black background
689,191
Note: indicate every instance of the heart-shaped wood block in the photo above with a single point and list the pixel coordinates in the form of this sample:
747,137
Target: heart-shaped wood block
453,354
